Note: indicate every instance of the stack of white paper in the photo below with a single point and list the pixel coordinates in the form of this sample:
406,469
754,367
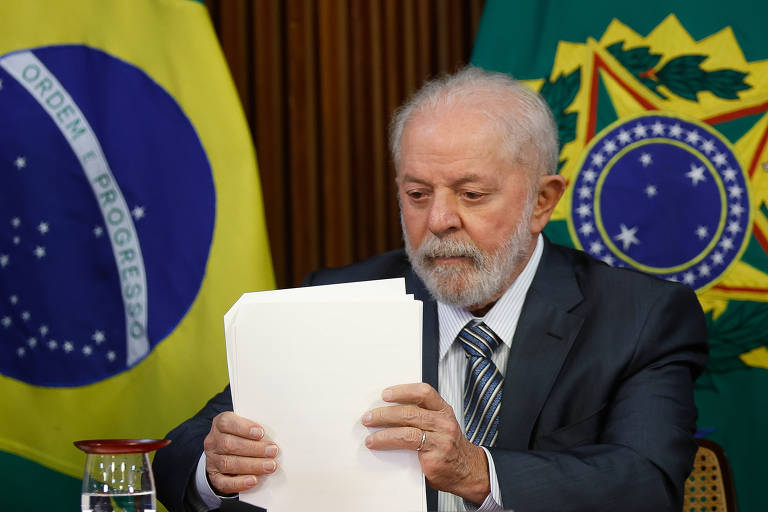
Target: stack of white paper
306,363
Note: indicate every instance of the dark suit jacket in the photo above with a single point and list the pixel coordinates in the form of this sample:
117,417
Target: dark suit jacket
597,411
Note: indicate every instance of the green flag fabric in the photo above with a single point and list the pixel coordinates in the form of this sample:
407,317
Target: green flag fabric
130,220
662,110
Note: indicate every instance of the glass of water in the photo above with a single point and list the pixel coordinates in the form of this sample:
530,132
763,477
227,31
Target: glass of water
118,476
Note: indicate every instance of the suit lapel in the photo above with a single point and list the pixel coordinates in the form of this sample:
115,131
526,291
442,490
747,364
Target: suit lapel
430,334
542,340
430,342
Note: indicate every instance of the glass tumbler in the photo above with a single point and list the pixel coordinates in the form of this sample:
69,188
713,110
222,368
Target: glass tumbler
118,475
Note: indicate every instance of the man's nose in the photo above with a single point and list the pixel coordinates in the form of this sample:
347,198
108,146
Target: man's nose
444,215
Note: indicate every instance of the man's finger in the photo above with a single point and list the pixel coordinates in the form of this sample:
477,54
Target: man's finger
235,465
228,444
226,484
230,423
399,438
402,416
421,394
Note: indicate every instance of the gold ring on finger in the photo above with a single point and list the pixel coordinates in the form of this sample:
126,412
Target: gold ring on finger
423,440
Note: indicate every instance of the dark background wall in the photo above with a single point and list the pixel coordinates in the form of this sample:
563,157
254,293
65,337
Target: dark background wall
319,80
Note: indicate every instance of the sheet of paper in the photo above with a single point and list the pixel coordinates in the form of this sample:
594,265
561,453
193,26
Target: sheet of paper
307,368
380,289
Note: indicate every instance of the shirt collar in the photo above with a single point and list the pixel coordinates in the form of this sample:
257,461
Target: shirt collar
502,317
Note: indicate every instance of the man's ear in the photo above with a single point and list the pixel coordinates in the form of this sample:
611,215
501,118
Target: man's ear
551,189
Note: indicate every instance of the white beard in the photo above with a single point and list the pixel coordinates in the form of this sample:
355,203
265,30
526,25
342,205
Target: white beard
485,276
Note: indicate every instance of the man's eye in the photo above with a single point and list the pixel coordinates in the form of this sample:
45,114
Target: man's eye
415,194
472,196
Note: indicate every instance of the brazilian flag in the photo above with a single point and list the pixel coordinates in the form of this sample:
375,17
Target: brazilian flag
662,109
130,220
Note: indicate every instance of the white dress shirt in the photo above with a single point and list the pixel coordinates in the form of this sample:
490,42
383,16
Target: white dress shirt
452,368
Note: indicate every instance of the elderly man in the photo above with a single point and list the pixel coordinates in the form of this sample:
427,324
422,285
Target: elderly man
551,380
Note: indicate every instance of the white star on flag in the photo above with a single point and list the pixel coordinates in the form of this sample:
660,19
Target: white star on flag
645,159
32,342
624,137
717,258
98,231
609,259
720,159
52,345
651,190
735,191
737,210
640,131
587,229
729,174
138,212
25,315
43,330
598,159
584,210
43,228
596,248
702,232
689,278
726,244
704,270
20,162
589,176
627,236
4,259
14,299
111,355
98,337
658,128
16,240
675,131
20,351
68,347
39,252
708,146
696,174
609,147
6,321
1,84
585,192
87,350
15,222
693,137
733,227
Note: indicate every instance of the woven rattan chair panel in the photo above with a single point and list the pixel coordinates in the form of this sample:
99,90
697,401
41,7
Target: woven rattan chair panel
705,489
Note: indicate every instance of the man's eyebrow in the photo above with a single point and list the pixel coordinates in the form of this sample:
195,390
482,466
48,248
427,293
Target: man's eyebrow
412,179
469,178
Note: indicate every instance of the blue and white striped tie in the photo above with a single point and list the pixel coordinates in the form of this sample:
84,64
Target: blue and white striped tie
482,392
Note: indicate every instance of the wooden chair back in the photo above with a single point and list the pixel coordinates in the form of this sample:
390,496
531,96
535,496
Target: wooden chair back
709,487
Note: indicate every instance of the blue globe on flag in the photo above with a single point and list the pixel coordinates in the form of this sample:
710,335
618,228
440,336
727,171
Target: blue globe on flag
98,263
662,165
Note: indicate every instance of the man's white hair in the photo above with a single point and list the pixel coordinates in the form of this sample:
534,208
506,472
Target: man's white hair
523,118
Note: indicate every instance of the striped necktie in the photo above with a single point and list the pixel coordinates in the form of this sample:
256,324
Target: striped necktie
482,391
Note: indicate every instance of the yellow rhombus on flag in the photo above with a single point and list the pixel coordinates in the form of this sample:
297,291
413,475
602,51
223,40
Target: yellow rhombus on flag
130,220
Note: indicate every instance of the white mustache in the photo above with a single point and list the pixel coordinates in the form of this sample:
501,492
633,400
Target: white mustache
434,247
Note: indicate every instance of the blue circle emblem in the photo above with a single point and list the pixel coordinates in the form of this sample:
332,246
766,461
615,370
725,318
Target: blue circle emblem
662,194
106,218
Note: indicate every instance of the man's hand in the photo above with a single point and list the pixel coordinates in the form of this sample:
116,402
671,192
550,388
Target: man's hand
449,461
235,454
